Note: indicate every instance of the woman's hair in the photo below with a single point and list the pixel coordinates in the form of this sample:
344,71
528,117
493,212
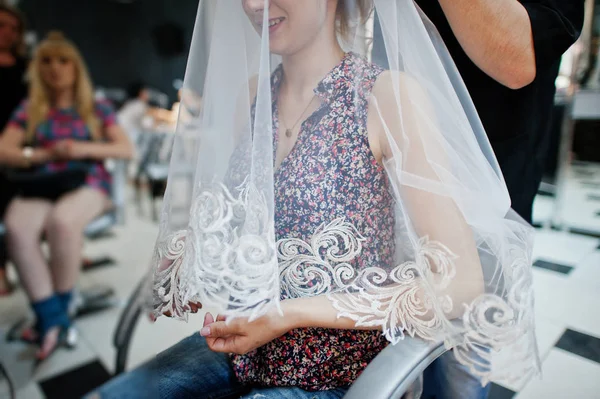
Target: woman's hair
19,47
134,90
39,103
349,10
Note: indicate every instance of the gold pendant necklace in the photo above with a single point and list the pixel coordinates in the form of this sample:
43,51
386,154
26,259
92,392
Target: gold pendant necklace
288,131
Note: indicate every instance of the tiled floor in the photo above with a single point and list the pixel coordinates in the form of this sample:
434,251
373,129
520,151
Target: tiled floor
566,278
131,247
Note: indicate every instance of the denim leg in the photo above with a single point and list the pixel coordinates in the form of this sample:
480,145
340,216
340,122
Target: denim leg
294,393
446,378
188,369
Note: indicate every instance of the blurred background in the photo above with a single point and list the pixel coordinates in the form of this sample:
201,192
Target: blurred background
122,41
136,53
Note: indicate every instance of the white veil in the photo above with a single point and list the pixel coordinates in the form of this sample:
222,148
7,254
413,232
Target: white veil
436,252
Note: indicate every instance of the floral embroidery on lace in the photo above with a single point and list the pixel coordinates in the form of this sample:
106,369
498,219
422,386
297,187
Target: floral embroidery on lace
391,299
403,300
167,276
310,269
226,257
330,241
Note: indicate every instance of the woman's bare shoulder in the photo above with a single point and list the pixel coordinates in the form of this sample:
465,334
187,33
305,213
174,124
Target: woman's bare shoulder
390,84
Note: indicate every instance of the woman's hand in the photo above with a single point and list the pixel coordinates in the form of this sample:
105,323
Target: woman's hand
70,149
42,156
115,145
241,336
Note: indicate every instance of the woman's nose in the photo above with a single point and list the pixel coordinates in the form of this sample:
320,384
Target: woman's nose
55,66
256,5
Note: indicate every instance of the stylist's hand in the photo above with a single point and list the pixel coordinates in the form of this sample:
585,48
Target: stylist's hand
70,149
241,336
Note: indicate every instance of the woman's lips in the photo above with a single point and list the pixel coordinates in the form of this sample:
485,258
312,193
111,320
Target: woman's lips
274,23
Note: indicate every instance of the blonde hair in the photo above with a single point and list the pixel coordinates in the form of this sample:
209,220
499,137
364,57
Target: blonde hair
39,105
19,48
347,9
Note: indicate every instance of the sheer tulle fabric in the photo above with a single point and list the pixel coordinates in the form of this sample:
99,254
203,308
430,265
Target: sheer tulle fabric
456,263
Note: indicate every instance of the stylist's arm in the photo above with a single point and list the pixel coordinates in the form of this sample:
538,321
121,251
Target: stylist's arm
509,39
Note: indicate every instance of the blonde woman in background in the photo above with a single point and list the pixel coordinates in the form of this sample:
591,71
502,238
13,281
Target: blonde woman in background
56,141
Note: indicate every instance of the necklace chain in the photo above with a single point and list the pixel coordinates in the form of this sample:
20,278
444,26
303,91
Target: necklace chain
288,131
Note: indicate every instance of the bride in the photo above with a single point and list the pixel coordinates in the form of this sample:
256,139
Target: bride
324,207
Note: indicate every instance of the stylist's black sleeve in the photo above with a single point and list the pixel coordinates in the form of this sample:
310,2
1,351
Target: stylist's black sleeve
556,25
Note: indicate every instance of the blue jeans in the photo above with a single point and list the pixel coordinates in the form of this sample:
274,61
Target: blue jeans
446,378
191,370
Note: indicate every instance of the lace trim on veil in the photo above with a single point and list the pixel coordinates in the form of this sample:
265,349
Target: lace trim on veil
225,247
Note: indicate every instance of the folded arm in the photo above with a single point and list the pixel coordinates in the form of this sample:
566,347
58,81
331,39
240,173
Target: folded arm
11,151
116,145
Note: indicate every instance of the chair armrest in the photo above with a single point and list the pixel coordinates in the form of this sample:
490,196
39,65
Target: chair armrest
118,171
395,369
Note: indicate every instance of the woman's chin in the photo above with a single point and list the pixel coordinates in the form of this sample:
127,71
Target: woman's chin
281,50
60,86
276,48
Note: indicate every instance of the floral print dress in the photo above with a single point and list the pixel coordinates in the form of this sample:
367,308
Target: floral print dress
64,124
330,174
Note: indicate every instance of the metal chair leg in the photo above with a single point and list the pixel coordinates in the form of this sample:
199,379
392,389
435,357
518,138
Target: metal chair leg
126,327
9,381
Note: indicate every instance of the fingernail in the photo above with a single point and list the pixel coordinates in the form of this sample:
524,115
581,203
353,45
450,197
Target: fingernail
205,332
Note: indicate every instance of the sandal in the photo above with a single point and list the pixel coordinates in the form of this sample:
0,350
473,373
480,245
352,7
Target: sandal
67,338
30,335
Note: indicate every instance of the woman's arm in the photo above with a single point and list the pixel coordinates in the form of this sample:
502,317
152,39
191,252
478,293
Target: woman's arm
12,153
241,336
117,145
410,134
431,214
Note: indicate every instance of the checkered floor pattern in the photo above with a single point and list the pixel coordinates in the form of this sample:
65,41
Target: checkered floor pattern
566,278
